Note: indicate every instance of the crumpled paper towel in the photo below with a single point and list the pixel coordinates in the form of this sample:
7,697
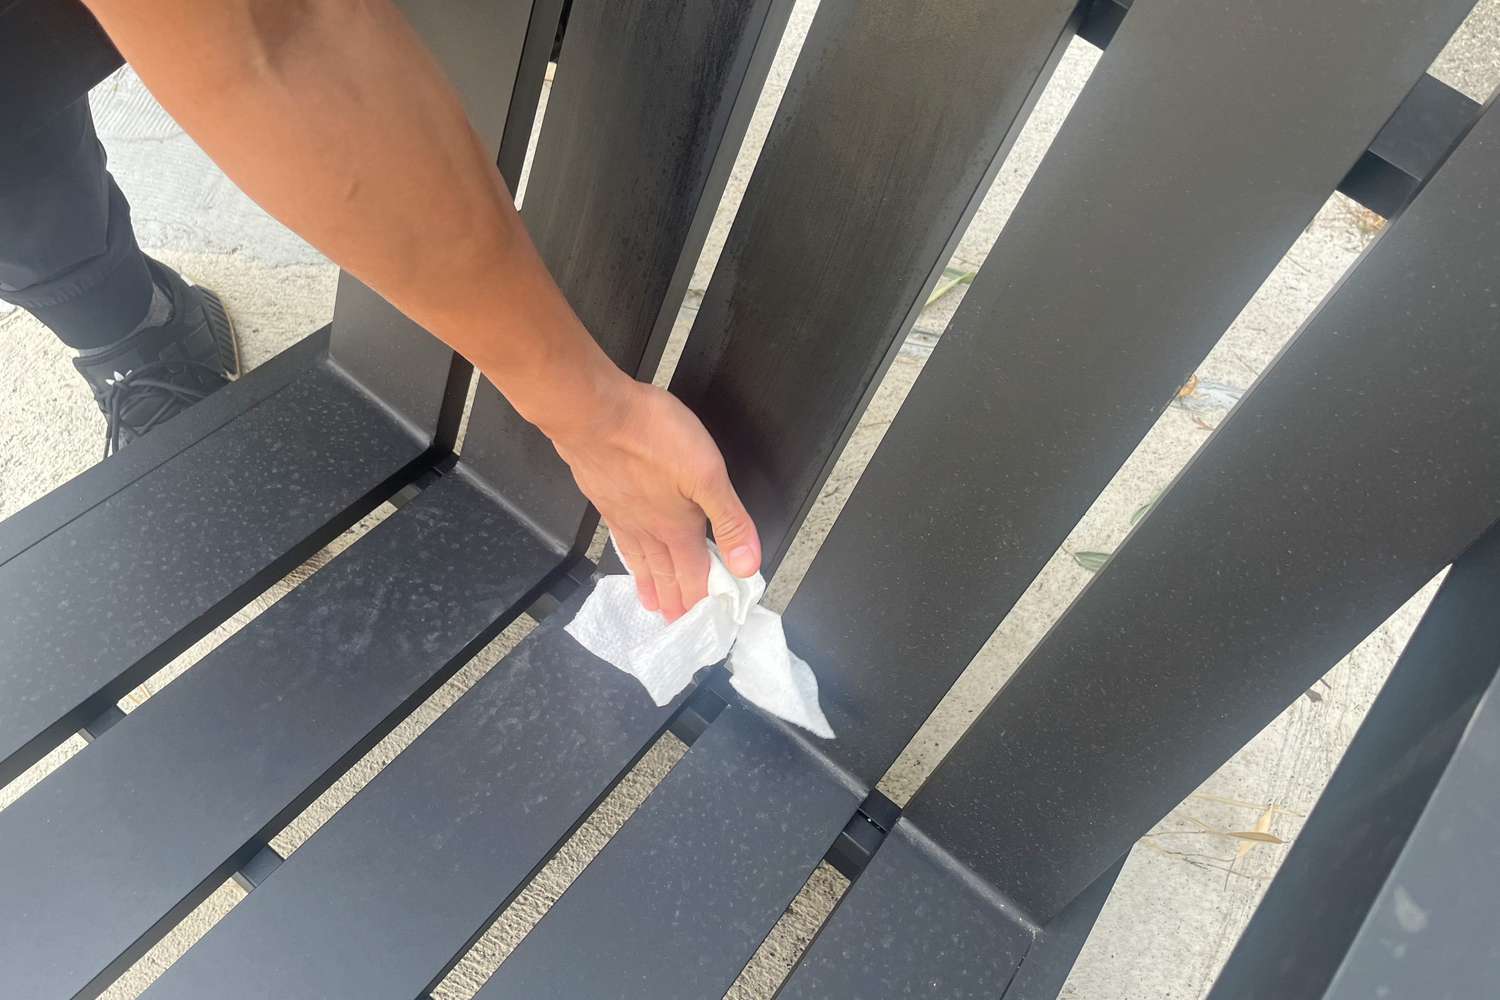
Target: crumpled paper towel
728,622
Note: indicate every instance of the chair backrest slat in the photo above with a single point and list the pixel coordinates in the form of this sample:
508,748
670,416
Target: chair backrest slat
481,45
647,111
1204,142
892,125
1345,852
1364,461
1449,863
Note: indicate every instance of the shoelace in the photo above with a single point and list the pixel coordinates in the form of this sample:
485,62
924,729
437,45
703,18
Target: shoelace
143,385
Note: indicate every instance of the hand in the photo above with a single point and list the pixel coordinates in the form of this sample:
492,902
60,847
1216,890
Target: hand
654,473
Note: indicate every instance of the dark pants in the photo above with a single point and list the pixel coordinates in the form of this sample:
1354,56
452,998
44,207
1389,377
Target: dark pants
68,254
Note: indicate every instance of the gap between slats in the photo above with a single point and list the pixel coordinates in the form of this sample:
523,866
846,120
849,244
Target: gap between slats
792,935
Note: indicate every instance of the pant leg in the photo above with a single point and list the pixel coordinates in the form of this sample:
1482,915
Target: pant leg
68,254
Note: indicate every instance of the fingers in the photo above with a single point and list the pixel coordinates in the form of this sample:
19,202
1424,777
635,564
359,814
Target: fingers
667,579
733,530
690,559
664,576
630,550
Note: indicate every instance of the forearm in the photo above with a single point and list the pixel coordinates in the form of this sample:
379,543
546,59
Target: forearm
334,117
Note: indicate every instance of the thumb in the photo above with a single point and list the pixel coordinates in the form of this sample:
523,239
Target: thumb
733,530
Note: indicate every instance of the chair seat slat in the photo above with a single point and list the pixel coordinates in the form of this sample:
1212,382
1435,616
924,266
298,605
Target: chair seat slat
131,833
1050,959
911,926
91,487
410,870
680,898
114,593
913,923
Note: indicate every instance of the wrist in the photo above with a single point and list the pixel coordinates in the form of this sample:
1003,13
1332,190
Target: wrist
586,398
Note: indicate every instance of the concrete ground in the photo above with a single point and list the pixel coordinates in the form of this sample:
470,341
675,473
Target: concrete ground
1191,883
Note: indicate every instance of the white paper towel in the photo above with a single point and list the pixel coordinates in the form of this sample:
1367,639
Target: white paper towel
728,622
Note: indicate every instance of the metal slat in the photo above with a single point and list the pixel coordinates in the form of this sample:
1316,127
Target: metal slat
913,925
867,180
1365,460
682,896
916,924
99,859
99,482
1431,932
386,896
1430,121
1205,140
1345,852
643,122
99,604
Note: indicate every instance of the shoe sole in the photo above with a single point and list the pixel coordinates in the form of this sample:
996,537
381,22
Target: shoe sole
222,328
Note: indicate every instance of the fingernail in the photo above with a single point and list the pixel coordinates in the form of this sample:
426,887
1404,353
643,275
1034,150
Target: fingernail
742,560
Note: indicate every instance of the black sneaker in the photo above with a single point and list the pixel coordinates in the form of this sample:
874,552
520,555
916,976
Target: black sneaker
157,372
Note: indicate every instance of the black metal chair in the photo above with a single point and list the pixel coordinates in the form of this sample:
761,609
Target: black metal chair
1364,461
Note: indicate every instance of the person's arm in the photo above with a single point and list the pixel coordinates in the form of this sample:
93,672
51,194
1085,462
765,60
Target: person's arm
335,118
